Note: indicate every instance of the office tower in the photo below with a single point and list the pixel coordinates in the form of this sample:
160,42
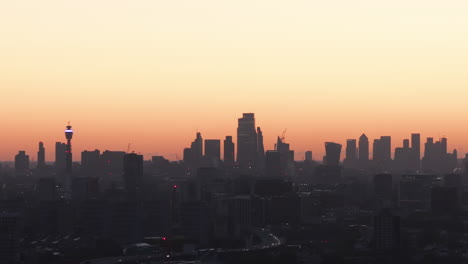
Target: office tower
386,231
21,163
228,152
351,154
416,149
260,149
60,157
213,151
443,144
363,151
41,156
197,150
132,173
113,162
188,157
308,156
246,142
9,238
404,158
333,152
386,142
287,156
406,143
69,160
91,161
273,164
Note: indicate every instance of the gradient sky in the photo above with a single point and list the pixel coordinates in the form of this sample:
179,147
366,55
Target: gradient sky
152,73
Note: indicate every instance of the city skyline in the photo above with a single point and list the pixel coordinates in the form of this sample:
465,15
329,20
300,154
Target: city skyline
318,154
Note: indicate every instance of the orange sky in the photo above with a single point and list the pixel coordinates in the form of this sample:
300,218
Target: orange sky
152,73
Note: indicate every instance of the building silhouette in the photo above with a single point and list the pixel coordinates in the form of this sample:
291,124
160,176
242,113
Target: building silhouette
60,157
416,151
308,156
246,142
41,156
91,162
351,154
228,152
333,152
21,163
363,151
213,152
132,174
260,150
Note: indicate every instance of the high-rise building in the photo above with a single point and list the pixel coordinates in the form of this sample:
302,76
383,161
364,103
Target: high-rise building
41,156
91,161
260,150
308,156
213,150
132,173
351,154
363,151
382,152
246,142
416,149
196,150
60,157
386,231
404,158
228,152
333,152
112,165
273,164
21,163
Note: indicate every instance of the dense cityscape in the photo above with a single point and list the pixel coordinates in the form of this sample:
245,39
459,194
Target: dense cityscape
246,204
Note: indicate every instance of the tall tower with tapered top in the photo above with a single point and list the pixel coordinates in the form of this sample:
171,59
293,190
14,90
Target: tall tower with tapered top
69,136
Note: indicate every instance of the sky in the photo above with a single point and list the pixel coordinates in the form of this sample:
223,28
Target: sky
152,73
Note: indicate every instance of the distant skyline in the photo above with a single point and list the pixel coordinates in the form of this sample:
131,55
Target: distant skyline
152,73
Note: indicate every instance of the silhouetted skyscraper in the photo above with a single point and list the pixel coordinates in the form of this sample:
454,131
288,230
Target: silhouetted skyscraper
41,156
308,156
213,151
133,173
363,151
197,150
228,152
333,152
91,161
246,142
416,149
351,153
60,157
21,163
260,149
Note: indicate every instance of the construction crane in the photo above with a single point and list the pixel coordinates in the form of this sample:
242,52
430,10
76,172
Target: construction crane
128,147
283,135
